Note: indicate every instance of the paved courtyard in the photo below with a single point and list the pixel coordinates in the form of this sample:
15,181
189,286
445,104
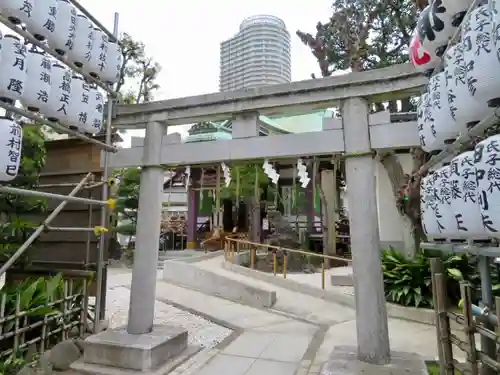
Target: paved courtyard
295,337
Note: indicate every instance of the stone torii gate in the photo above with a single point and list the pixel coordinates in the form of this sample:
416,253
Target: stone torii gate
356,139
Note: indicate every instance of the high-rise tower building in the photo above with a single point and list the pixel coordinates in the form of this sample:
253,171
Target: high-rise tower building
258,55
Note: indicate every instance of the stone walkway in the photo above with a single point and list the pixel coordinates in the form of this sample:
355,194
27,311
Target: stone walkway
295,337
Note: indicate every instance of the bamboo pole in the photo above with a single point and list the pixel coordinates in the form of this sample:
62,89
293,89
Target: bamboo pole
42,227
272,247
443,325
469,328
437,267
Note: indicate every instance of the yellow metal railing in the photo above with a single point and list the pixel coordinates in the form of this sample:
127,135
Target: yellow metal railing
234,246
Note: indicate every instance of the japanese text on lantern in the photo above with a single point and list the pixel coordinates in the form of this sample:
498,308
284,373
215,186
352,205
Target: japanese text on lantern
99,108
27,8
83,116
489,171
16,85
103,46
50,23
88,54
13,150
72,30
65,92
43,95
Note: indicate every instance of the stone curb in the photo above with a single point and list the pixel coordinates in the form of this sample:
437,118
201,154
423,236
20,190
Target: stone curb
213,283
424,316
198,258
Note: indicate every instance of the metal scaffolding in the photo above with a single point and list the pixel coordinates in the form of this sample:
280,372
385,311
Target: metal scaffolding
107,146
484,250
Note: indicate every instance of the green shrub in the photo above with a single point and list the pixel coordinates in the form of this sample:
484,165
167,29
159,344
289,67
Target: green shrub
408,281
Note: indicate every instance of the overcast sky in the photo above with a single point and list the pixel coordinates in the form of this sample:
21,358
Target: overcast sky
184,36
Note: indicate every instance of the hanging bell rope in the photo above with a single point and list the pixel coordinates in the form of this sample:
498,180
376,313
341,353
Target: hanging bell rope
217,195
237,186
294,186
314,174
202,178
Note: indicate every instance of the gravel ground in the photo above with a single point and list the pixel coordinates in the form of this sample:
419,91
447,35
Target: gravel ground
201,331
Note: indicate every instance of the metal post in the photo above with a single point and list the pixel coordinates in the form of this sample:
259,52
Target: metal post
143,288
96,22
488,346
70,229
41,228
371,313
104,211
43,194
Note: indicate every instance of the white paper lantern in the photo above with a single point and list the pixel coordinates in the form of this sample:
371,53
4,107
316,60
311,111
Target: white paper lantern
443,211
41,21
12,68
114,62
98,59
11,138
428,206
63,39
444,124
480,57
463,187
60,94
427,139
457,9
79,104
434,144
38,80
81,52
464,110
17,11
95,111
422,60
433,33
487,163
440,24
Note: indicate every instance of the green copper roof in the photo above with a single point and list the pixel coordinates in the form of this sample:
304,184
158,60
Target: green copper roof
216,136
207,131
303,123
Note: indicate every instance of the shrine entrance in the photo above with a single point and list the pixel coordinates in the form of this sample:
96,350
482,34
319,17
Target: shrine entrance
354,137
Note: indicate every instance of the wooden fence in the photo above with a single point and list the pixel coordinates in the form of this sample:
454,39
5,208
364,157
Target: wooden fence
482,361
39,313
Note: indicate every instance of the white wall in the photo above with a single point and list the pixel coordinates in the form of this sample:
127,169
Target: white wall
390,223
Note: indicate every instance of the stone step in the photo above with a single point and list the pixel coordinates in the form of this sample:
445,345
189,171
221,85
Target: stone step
341,276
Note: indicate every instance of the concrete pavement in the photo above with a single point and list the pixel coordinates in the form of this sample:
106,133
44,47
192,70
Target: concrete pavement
295,337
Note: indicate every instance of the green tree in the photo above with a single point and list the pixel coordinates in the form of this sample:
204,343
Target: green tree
127,200
137,84
371,34
139,71
248,182
14,227
243,181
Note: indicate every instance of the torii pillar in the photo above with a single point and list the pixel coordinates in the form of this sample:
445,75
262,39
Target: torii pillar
142,346
371,314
